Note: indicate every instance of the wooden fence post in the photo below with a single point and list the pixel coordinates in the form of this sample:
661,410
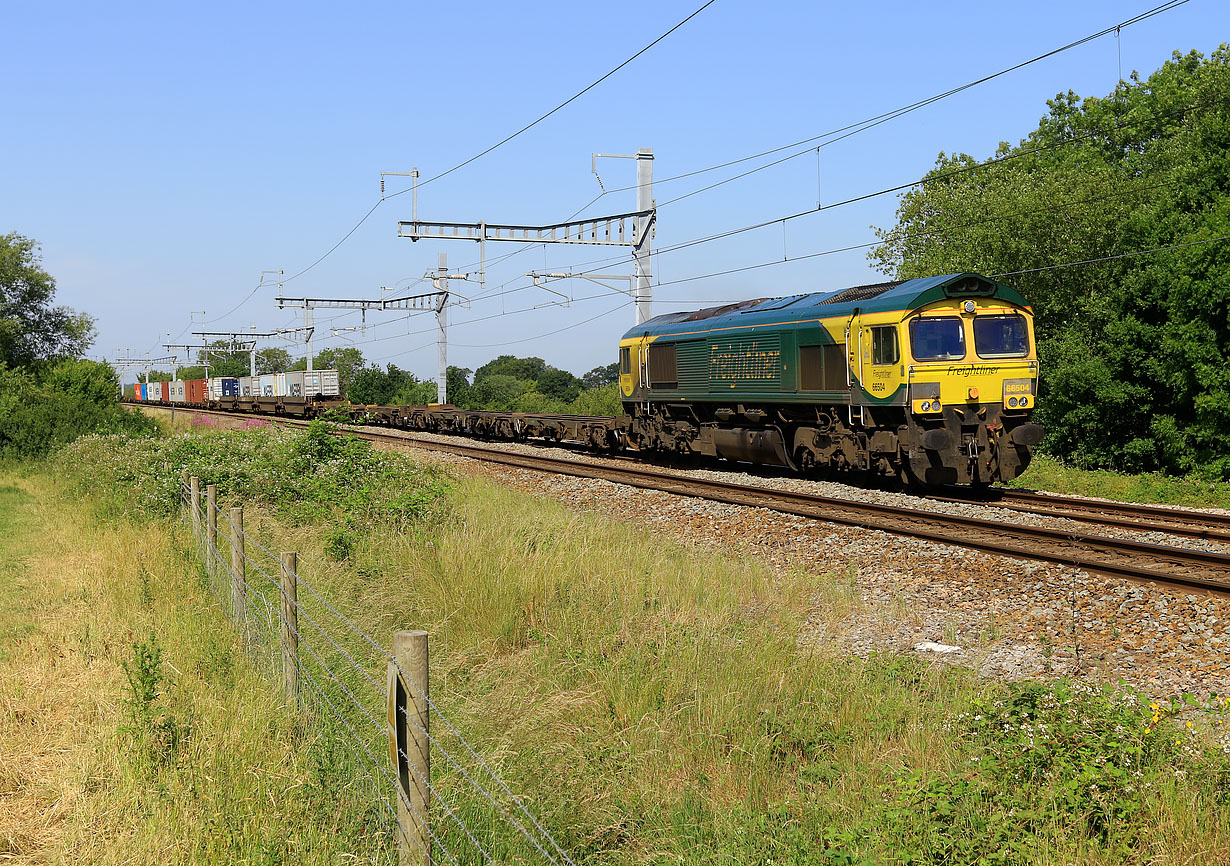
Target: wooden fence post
194,503
239,586
413,838
290,625
211,526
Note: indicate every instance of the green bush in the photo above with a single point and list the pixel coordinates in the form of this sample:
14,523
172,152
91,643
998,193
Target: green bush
41,411
307,476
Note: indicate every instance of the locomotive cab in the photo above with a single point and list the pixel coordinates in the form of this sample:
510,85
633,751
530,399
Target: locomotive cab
972,378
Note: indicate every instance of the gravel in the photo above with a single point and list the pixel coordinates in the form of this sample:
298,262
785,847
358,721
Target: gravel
1012,619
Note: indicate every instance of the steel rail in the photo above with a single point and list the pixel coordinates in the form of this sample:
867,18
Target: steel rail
1186,522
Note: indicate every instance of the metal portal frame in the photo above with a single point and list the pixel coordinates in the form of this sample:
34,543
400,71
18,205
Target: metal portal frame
635,230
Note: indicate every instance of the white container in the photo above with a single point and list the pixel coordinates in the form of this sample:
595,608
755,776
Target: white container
320,383
214,388
245,385
292,384
268,383
178,392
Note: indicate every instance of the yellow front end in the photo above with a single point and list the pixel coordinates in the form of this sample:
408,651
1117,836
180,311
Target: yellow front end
971,353
972,377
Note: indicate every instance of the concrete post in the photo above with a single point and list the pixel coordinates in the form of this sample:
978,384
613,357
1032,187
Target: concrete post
442,331
643,252
239,586
413,808
290,626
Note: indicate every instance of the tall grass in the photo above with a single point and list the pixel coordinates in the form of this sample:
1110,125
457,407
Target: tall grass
132,729
653,702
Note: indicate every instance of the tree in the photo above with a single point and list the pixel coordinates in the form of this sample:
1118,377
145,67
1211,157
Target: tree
347,361
373,386
558,384
40,412
1134,349
498,391
31,329
458,380
528,369
600,376
605,400
273,359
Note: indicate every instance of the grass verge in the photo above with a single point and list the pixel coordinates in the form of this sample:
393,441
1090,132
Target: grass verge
132,730
653,703
1049,473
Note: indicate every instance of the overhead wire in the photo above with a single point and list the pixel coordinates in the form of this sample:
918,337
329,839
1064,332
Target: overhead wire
502,141
850,129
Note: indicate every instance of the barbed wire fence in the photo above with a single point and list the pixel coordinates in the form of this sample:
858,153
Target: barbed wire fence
377,739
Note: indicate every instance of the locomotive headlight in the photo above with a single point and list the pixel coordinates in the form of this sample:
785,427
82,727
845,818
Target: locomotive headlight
1012,402
969,306
926,406
1024,402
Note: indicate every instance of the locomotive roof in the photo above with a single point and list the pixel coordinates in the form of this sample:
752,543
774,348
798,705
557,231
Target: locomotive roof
904,295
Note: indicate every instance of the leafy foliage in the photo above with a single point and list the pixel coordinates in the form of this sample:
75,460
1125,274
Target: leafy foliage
40,411
308,476
1087,762
31,329
1135,351
151,723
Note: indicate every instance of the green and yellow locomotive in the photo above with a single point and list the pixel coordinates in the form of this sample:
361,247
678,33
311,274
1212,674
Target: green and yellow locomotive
932,381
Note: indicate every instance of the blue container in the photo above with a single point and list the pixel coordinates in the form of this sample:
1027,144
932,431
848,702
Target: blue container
230,387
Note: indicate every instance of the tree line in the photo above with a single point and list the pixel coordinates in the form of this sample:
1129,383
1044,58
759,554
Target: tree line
507,383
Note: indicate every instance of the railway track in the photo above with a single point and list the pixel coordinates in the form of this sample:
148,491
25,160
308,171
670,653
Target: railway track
1144,518
1177,567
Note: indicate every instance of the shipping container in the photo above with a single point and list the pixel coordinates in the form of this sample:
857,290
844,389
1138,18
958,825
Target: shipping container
291,385
245,385
139,392
269,385
160,393
321,383
177,391
223,388
196,390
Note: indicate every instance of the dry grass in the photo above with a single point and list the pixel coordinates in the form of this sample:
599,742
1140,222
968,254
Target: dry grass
76,592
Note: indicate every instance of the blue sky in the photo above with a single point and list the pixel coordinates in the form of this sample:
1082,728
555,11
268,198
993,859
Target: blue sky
165,154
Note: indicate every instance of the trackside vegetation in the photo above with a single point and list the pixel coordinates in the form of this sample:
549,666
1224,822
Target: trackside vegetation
652,702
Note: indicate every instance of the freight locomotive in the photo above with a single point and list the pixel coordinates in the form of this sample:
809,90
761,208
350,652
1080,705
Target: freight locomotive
929,381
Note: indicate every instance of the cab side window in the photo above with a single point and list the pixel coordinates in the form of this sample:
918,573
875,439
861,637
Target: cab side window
625,361
884,345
